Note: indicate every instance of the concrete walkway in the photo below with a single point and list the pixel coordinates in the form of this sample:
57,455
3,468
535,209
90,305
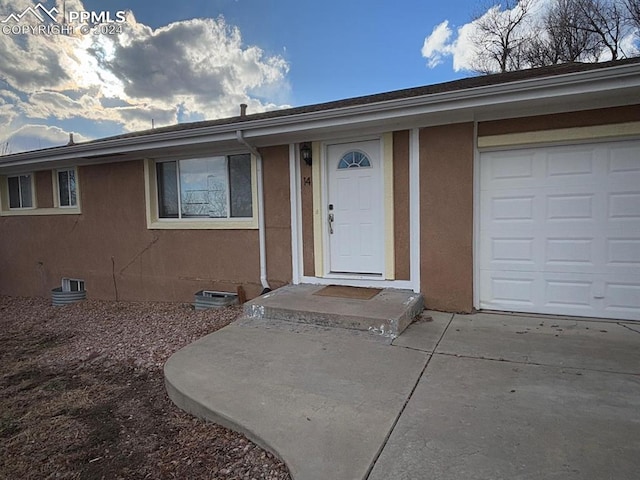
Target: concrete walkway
462,396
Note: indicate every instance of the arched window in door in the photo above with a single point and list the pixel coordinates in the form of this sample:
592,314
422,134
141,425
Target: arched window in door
354,159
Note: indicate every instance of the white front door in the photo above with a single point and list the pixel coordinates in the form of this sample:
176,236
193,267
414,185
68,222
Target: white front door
355,208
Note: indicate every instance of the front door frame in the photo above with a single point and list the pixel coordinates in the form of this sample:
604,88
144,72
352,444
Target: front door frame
318,276
379,190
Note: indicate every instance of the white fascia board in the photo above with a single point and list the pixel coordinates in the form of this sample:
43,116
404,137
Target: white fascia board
112,148
544,90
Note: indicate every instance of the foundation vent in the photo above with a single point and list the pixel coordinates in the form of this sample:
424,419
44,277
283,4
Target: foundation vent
205,299
72,290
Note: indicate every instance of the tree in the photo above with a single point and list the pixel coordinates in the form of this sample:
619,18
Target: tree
500,37
606,20
562,36
515,34
633,12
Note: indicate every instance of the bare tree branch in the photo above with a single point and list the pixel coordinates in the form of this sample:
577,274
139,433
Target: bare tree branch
633,11
562,37
499,38
512,34
605,19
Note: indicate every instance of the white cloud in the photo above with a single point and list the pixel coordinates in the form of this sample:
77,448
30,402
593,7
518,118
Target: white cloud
32,136
630,44
443,43
201,64
435,45
192,69
463,49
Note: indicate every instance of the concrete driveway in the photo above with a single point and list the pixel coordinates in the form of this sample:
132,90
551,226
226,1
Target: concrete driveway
507,397
479,396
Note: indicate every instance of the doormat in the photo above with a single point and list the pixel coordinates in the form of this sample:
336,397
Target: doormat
340,291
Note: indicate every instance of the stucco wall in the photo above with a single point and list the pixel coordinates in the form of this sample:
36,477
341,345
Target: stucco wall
401,204
277,213
306,194
44,189
446,216
110,247
585,118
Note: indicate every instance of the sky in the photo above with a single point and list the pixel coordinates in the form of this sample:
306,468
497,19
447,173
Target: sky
163,62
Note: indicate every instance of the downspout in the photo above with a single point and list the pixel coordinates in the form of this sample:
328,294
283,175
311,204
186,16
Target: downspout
261,232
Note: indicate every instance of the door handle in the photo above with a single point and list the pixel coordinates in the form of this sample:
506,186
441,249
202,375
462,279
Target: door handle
331,218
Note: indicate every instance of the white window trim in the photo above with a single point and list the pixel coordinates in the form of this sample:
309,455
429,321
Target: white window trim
154,222
56,190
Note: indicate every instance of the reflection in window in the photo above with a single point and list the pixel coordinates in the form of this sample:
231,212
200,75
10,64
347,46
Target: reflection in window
203,188
241,194
67,192
214,187
167,189
20,192
354,159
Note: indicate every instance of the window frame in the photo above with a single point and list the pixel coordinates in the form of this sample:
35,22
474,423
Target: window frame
33,191
56,209
352,164
154,221
68,285
57,200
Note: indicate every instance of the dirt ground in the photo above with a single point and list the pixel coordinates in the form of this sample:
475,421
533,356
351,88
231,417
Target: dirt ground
82,396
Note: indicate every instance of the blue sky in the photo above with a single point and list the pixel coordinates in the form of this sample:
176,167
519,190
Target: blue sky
335,48
171,62
192,60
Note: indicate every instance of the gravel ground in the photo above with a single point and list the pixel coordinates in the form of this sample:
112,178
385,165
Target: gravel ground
82,396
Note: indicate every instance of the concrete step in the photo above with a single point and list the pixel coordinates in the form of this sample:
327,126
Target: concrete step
387,314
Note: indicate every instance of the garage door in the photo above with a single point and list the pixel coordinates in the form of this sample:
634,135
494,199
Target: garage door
560,230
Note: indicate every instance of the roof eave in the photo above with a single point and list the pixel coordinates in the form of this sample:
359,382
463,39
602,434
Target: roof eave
545,89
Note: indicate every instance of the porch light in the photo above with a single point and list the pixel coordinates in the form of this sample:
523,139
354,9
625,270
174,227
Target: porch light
305,153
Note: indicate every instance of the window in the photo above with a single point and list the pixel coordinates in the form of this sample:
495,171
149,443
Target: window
354,159
213,187
43,192
20,191
72,285
67,190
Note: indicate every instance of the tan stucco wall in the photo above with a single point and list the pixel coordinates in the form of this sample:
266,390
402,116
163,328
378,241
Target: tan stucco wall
602,116
277,214
446,216
44,189
110,247
401,204
306,182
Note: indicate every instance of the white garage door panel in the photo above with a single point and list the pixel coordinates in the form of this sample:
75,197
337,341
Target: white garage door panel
560,230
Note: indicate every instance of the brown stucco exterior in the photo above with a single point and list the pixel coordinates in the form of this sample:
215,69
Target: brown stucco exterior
110,247
277,214
586,118
44,189
401,204
446,216
306,207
